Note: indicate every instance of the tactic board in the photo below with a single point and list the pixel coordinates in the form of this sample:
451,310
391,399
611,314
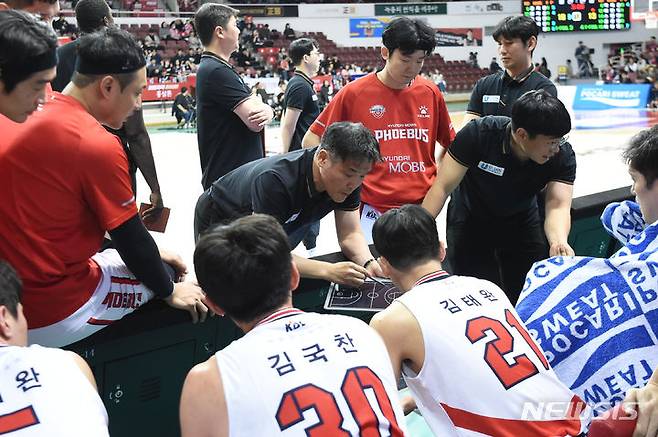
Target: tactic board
370,296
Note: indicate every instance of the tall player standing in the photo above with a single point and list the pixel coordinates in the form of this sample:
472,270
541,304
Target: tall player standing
471,365
406,113
293,373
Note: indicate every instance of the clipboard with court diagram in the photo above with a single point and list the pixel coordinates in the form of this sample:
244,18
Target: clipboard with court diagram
370,296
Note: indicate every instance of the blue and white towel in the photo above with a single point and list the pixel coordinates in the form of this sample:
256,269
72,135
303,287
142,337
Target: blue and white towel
597,319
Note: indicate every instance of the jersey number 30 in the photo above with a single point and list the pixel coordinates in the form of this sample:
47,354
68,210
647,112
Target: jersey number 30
503,343
356,381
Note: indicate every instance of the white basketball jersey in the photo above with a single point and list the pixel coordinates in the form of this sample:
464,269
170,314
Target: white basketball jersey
44,393
483,374
299,374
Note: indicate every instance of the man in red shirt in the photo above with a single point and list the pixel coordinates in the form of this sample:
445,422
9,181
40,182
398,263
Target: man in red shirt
65,183
27,63
406,113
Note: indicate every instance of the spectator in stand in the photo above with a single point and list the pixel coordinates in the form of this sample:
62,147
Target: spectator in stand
288,32
325,93
651,45
265,32
27,64
153,69
163,31
174,33
230,120
188,28
151,41
167,70
193,41
493,66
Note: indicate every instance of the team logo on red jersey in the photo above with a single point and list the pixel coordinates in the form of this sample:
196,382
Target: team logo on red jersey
423,112
377,111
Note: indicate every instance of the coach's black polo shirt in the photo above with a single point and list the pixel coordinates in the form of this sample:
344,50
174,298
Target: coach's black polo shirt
495,94
498,186
281,186
301,95
225,142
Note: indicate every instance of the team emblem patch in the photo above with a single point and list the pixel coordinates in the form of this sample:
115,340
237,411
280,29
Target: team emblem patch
423,112
490,168
377,111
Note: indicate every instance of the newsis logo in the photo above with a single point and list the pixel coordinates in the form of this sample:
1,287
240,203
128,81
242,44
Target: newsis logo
377,111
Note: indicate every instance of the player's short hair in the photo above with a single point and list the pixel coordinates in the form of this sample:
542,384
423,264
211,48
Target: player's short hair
406,236
26,45
10,288
244,267
209,16
107,52
347,141
409,35
642,154
516,26
183,89
539,113
300,47
91,15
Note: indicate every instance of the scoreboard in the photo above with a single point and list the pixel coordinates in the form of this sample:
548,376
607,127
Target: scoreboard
579,15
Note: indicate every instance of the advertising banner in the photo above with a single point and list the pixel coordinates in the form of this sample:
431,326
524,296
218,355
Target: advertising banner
611,96
368,27
459,37
411,9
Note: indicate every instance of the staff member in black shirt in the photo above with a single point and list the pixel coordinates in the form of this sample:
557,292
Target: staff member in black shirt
300,103
495,94
299,188
229,118
494,169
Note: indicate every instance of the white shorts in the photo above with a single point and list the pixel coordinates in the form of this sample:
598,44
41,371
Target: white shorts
118,293
369,216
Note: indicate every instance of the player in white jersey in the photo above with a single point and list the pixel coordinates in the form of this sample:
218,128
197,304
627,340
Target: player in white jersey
293,373
472,367
43,391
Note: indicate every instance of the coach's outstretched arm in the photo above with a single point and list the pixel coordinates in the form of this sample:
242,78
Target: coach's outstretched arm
558,218
451,174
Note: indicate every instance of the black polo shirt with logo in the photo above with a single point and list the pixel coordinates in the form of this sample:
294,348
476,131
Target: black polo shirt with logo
498,186
281,186
225,142
301,95
495,94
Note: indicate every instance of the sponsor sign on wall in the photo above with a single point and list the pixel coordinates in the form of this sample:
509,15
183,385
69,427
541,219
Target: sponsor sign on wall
611,96
458,37
368,27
